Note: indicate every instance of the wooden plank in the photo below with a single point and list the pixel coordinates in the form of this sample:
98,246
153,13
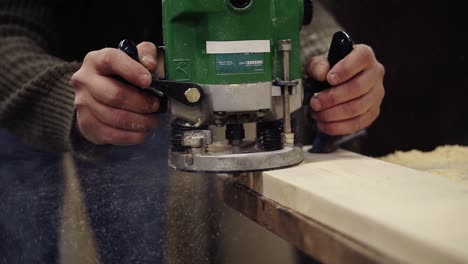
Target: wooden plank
313,238
396,213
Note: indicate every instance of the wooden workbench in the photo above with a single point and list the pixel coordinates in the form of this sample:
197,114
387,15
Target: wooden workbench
348,208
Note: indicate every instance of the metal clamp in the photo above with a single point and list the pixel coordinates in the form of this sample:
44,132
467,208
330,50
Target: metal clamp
286,83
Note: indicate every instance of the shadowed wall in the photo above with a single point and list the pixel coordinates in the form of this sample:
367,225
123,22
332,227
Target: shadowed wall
422,48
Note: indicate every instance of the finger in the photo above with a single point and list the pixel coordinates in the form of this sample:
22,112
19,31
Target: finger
353,108
350,126
359,59
99,133
318,68
122,119
117,94
114,62
354,88
148,52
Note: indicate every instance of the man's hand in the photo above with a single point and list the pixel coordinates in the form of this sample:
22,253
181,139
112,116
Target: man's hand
109,110
353,102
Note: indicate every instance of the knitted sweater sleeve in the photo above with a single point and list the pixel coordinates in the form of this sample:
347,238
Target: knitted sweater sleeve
36,99
316,37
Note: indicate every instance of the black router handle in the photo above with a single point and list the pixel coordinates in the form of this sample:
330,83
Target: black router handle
341,45
163,88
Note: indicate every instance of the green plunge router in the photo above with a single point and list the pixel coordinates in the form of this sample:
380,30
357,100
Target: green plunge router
231,64
239,63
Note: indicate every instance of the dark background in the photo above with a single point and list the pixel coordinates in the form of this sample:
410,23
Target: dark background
423,47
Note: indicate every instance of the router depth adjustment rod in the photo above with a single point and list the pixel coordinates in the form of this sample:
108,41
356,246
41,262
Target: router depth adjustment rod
287,138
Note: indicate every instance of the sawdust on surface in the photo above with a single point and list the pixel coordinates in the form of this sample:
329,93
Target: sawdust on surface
450,161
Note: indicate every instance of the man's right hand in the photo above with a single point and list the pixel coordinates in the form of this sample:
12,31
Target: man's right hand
109,110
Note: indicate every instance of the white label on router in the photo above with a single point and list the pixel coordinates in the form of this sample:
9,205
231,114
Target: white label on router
243,46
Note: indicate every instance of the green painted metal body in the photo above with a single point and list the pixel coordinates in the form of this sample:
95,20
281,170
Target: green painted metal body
189,24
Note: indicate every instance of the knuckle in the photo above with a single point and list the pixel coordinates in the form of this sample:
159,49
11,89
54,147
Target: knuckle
320,71
79,102
316,61
107,56
87,129
90,56
380,69
115,97
381,94
313,60
353,108
367,53
368,57
82,126
77,79
150,64
310,67
144,105
358,87
355,88
332,97
147,45
115,118
369,49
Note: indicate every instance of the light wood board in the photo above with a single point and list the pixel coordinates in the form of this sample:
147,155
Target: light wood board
316,240
404,214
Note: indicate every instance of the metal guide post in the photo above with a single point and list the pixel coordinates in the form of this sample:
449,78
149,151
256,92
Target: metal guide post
287,137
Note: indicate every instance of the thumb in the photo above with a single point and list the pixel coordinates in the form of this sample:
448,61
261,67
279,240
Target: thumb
318,68
147,52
